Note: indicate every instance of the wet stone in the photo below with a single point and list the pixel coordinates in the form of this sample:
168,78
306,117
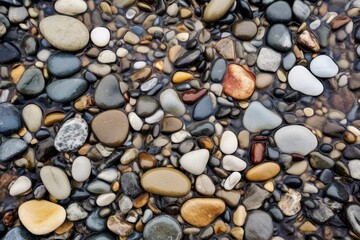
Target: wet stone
63,65
108,94
216,9
10,119
254,197
352,215
239,83
162,227
279,38
146,106
244,30
268,60
11,149
66,90
320,161
56,182
279,12
130,184
72,135
31,83
218,70
301,10
187,59
18,233
9,53
204,108
94,222
337,192
290,203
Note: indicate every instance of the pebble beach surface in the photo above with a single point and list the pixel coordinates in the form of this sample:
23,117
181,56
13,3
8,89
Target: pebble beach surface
179,119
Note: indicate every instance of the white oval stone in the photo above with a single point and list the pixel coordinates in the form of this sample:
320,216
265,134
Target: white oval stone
20,186
354,167
107,56
56,182
121,52
180,136
70,7
204,185
81,169
32,115
100,36
139,64
72,135
156,117
258,118
295,139
228,142
232,180
324,67
171,103
301,79
195,161
105,199
108,175
232,163
135,121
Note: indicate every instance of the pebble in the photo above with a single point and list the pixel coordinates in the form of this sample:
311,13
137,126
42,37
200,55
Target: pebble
200,212
18,232
11,148
307,84
77,35
119,226
72,135
244,30
232,180
195,161
9,53
107,56
95,222
171,103
63,64
81,169
115,135
324,67
166,182
233,163
354,167
262,172
309,41
228,142
17,14
204,108
337,192
268,60
100,36
295,139
278,12
70,7
204,185
20,186
66,90
131,38
108,94
171,125
301,10
279,38
290,203
10,119
146,106
258,118
239,83
41,217
56,182
130,184
162,227
254,197
74,212
216,9
259,225
105,199
218,70
352,215
31,83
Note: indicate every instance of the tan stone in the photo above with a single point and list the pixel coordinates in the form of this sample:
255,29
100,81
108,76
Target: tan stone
269,185
237,233
239,83
200,212
239,216
290,203
166,182
141,74
308,227
41,217
52,118
262,172
171,125
119,226
65,227
16,72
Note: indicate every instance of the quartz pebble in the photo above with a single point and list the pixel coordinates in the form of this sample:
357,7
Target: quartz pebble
70,7
302,80
232,163
268,60
100,36
72,135
195,161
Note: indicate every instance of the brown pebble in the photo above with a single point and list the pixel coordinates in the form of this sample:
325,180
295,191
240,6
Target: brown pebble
309,41
141,74
257,152
52,118
192,96
65,227
141,201
339,21
239,83
146,161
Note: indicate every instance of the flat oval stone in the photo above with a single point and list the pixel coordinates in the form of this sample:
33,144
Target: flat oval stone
11,148
216,9
301,79
324,67
66,90
81,169
204,185
98,187
171,103
63,64
259,225
262,172
70,7
295,139
72,135
239,83
77,35
195,161
258,118
10,119
218,70
278,37
146,106
108,94
232,163
111,127
244,30
166,182
31,83
56,182
32,115
268,60
228,142
200,212
9,53
279,12
162,227
204,108
41,217
171,125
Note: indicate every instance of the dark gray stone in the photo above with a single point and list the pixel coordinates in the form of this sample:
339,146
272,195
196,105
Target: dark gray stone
130,184
188,59
107,94
9,53
301,10
94,222
278,37
321,214
279,12
66,90
63,64
18,233
11,148
352,213
204,108
218,70
10,119
31,83
146,106
337,192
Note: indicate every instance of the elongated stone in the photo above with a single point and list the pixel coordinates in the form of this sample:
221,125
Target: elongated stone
262,172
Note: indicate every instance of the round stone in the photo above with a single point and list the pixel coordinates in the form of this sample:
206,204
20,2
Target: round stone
195,161
32,115
204,185
354,167
244,30
239,83
228,142
171,103
259,225
200,212
11,148
100,36
162,227
72,135
41,217
262,172
81,169
232,163
301,79
166,182
56,182
216,9
111,127
63,64
70,7
268,60
146,106
10,119
77,35
295,139
324,67
279,12
108,94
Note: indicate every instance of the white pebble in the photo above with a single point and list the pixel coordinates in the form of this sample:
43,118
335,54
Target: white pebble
100,36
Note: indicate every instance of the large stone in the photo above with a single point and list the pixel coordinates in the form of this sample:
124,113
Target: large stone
259,225
195,161
11,148
10,119
301,79
65,33
108,94
262,172
63,64
162,227
72,135
56,182
216,9
31,83
66,90
239,83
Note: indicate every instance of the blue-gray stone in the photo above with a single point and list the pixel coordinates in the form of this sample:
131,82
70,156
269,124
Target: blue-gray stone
101,236
66,90
9,53
337,192
259,225
301,10
278,37
31,83
63,64
203,128
352,213
107,94
204,108
146,106
130,184
94,222
18,233
218,70
11,148
10,119
279,12
162,227
289,61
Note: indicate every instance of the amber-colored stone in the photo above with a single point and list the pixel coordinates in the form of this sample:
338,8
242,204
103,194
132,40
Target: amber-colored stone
257,152
146,161
308,227
171,125
192,96
220,227
16,72
180,77
201,212
141,74
206,142
262,172
65,227
52,118
339,21
309,41
239,83
9,219
166,182
141,201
